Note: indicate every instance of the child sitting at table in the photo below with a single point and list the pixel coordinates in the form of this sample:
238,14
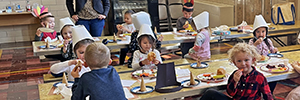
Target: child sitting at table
48,21
146,41
295,93
66,31
260,40
246,83
201,49
103,82
81,38
128,26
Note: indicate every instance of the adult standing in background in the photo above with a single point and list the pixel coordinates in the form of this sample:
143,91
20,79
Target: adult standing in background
90,13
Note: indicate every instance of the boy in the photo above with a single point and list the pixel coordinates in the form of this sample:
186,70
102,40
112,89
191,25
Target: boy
48,21
103,82
246,83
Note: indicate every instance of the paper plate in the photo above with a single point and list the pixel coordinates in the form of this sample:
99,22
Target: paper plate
43,29
276,69
210,78
275,55
136,90
70,83
186,83
44,47
147,73
203,65
266,59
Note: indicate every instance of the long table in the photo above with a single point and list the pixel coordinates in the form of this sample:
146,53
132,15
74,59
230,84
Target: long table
44,89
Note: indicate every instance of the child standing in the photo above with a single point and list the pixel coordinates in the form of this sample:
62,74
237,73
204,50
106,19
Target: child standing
48,21
81,39
201,49
246,83
260,40
66,31
103,82
128,26
146,41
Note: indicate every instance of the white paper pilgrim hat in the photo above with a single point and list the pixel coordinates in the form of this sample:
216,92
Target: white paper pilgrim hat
80,33
65,21
140,18
145,30
201,20
259,21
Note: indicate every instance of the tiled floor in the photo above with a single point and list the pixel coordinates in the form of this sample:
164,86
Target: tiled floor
21,72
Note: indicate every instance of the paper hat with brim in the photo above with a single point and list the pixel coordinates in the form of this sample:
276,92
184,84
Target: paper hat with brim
259,21
201,20
140,18
79,32
65,21
145,30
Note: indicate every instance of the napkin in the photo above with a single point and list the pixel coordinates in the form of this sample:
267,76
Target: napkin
64,91
50,40
126,40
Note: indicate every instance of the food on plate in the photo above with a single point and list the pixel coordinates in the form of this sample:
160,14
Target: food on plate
263,58
143,86
145,73
275,68
192,80
221,71
206,75
270,66
182,31
151,56
64,80
281,65
218,76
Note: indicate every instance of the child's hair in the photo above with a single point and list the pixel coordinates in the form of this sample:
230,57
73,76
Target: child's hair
245,48
81,43
266,40
97,55
61,31
188,4
149,37
45,17
129,12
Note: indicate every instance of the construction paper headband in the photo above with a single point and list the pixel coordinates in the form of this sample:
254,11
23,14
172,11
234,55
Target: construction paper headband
187,9
44,15
189,1
38,11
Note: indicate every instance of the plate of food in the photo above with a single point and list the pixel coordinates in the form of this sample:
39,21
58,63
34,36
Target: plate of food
202,65
275,55
213,77
70,84
144,73
264,59
187,83
275,68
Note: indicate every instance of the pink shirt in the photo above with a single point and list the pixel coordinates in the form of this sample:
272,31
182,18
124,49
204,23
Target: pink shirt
263,49
202,51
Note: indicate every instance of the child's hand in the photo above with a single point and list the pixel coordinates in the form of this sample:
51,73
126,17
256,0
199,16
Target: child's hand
72,62
101,17
155,61
75,71
146,62
295,64
275,50
160,38
75,17
185,26
258,41
237,75
38,32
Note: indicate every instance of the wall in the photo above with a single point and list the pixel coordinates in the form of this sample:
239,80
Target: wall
27,32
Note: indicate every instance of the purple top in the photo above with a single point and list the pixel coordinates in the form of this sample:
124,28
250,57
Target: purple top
263,49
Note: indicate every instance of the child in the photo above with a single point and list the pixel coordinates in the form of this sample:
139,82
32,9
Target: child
66,31
128,26
260,40
47,20
103,82
201,49
81,39
146,41
246,83
295,93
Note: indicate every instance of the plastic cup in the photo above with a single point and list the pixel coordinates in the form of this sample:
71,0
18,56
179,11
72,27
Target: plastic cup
175,30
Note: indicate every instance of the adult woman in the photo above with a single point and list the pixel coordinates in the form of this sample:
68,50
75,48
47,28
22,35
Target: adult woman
90,13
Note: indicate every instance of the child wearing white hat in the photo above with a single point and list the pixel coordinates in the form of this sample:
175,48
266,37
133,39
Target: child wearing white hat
260,40
201,49
81,39
66,31
147,57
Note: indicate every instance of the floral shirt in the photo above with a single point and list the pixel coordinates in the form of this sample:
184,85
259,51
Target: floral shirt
263,49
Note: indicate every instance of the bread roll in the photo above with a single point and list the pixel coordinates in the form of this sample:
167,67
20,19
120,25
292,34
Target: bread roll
151,56
221,71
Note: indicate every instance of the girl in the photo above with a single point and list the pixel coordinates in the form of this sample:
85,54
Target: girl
260,40
146,41
82,39
201,49
66,32
128,26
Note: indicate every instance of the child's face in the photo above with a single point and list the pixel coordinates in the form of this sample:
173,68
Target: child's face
50,21
243,61
127,18
186,14
260,32
145,44
80,52
67,32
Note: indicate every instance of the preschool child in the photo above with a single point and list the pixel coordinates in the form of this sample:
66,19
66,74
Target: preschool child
246,83
128,26
81,39
66,25
103,82
260,40
48,21
201,49
146,41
